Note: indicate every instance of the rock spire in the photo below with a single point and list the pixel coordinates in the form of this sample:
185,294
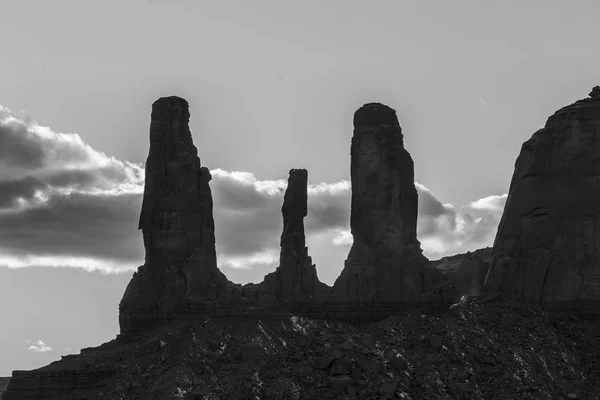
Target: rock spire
176,221
296,278
385,265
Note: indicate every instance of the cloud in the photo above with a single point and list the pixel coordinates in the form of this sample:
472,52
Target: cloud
470,227
490,203
38,346
247,234
443,230
64,204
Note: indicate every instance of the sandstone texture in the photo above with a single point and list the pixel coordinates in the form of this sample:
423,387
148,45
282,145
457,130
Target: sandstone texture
466,271
385,266
547,249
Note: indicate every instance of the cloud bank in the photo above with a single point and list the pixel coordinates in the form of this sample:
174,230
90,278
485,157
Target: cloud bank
64,204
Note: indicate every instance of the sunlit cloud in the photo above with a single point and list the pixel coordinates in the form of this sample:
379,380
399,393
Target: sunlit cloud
56,261
64,204
38,346
492,203
267,257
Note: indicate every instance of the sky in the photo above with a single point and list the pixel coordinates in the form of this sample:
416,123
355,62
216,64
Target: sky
272,85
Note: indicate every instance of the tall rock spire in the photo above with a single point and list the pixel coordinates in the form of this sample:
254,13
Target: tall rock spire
385,263
176,218
295,279
176,221
547,249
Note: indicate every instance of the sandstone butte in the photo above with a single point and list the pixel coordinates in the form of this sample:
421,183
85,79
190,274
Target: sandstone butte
385,270
544,252
547,248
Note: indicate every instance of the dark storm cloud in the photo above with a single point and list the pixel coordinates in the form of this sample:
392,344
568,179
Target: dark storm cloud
328,207
24,143
61,198
76,225
18,146
25,188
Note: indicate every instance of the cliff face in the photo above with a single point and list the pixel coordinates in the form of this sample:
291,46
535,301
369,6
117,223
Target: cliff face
385,265
547,249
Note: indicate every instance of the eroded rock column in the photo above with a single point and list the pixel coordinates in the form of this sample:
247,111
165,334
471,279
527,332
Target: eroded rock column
176,221
295,280
385,263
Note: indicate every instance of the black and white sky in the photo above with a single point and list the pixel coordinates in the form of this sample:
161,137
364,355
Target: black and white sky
272,86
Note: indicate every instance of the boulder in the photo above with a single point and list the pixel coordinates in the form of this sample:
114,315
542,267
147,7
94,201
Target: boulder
547,249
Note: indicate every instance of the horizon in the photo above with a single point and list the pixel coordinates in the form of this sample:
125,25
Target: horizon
266,95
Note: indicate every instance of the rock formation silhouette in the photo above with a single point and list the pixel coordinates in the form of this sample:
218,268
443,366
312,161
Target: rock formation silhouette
385,269
296,277
166,351
385,266
547,249
180,271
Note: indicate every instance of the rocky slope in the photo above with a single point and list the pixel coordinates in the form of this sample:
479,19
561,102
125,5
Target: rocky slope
474,350
547,248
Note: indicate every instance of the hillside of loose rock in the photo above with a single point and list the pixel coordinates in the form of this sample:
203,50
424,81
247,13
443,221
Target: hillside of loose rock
474,350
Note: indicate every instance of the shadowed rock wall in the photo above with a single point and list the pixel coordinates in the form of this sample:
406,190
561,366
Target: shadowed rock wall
547,249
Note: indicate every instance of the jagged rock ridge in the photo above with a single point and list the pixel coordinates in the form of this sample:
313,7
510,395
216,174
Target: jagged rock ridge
547,249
